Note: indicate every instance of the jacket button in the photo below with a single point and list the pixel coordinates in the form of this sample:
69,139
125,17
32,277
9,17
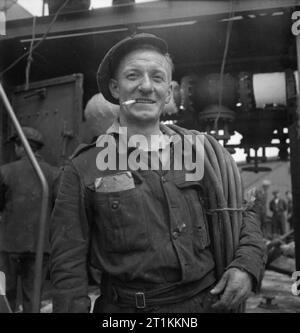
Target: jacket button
175,234
115,205
163,179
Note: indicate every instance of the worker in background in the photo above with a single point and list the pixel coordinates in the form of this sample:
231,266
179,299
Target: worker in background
143,234
20,206
262,196
289,202
278,207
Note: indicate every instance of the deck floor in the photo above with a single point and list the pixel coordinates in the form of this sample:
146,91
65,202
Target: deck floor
276,289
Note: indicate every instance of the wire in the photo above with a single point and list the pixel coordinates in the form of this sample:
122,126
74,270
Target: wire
30,59
220,97
15,62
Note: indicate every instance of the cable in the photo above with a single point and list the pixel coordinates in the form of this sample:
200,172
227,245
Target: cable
30,59
38,43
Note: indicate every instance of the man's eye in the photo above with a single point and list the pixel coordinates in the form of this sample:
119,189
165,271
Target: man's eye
132,76
158,78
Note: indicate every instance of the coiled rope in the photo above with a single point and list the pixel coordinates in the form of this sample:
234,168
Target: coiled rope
225,198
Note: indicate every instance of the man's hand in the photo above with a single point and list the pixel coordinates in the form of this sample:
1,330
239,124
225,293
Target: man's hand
235,287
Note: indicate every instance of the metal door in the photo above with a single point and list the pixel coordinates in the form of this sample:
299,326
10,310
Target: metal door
54,107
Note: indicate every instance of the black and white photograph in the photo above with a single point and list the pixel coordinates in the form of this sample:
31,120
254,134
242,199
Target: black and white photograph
149,159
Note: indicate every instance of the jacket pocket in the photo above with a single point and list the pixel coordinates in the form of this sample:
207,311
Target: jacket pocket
121,220
193,198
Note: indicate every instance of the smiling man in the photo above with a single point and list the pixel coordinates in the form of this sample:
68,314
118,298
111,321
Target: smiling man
141,234
143,77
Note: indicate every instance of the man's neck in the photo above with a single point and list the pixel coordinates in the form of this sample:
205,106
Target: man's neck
146,130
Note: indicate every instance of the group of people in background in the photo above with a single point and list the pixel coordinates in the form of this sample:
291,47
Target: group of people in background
281,209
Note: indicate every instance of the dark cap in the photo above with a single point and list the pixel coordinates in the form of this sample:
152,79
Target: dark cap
31,134
266,182
117,52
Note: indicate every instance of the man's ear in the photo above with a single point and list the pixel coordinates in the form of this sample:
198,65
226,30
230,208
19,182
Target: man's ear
114,88
169,94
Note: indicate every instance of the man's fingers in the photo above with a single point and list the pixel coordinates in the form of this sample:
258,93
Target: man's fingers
237,300
219,287
239,296
235,286
226,299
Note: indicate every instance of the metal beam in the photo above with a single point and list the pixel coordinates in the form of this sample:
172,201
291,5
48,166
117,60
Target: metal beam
141,14
231,61
294,134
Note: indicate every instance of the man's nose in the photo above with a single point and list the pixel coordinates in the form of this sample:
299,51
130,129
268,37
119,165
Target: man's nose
146,85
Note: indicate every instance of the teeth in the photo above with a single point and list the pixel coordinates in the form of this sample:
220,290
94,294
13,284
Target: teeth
146,101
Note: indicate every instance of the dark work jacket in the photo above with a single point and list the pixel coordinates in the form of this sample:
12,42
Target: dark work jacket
149,236
279,208
20,204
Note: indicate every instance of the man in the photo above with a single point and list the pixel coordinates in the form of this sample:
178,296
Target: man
278,207
141,234
289,202
20,203
262,196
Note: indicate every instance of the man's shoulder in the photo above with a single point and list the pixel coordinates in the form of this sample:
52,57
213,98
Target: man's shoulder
10,167
49,168
171,129
83,149
176,129
84,158
85,161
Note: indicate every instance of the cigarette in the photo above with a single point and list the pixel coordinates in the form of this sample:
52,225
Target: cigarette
130,101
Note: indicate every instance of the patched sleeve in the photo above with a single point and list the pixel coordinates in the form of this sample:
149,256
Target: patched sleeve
69,245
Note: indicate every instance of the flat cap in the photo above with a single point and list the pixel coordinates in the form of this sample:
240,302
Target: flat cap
113,57
31,134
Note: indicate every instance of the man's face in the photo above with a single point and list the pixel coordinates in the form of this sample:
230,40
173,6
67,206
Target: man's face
265,187
143,75
19,150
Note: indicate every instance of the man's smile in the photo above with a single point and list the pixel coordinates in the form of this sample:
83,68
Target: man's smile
144,101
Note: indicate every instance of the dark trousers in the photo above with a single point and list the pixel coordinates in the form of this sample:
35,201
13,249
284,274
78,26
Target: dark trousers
279,224
20,264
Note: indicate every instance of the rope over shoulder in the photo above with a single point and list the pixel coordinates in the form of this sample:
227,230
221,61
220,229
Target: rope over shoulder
225,191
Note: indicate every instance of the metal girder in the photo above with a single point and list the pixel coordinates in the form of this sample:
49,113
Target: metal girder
294,133
138,14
